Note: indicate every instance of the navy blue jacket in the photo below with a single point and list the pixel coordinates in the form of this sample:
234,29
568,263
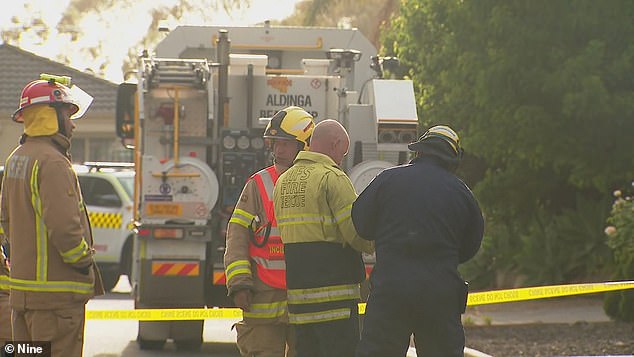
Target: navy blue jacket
424,221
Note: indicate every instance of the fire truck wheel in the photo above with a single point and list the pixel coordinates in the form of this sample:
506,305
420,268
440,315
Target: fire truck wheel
126,260
150,344
188,345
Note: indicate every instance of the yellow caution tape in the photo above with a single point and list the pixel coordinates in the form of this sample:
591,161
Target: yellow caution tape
542,292
475,298
164,314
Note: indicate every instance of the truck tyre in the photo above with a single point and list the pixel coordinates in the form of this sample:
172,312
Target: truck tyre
126,260
109,279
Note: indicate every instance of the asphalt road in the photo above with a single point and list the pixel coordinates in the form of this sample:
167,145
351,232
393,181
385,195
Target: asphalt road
118,337
115,338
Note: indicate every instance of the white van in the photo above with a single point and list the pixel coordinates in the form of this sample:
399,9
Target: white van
108,191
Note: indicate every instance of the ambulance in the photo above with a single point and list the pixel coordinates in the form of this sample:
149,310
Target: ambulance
107,189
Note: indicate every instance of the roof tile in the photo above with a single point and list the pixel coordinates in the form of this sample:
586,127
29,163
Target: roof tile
19,67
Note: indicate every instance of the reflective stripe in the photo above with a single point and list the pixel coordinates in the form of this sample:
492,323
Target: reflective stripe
343,214
238,267
242,218
270,264
323,294
321,316
267,182
301,219
41,232
50,286
73,255
266,311
4,282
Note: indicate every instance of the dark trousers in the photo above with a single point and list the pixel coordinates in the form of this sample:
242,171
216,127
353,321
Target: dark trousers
337,338
391,318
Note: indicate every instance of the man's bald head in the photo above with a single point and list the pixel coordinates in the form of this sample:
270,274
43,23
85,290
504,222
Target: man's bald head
330,138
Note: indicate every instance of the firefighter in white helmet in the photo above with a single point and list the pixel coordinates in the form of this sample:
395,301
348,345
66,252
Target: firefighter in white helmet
254,255
53,273
425,222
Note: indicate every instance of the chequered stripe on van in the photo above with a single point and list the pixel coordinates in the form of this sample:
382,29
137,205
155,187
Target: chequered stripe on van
105,220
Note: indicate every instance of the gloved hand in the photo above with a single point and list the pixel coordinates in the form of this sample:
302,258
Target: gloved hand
242,299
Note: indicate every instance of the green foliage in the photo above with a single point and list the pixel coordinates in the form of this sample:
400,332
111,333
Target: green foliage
620,304
367,15
488,267
621,231
567,247
542,95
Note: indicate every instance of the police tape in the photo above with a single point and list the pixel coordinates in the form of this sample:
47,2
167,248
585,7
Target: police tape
542,292
165,314
475,298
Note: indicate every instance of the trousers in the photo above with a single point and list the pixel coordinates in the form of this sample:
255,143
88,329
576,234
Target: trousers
266,340
5,319
64,328
338,338
391,318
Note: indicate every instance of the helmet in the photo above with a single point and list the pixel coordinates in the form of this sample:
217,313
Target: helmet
49,90
291,123
436,134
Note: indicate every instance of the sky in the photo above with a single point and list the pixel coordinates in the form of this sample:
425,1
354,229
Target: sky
112,27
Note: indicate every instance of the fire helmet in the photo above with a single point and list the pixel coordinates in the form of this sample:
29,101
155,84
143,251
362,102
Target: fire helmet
291,123
434,139
52,92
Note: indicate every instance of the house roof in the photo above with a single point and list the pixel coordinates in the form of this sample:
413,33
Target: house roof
20,67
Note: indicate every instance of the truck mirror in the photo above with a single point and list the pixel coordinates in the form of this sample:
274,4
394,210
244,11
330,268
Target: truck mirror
126,103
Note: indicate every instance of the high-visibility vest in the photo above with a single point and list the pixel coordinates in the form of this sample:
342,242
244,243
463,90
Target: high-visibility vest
265,247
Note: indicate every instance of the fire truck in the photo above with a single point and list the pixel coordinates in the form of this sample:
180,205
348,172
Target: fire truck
195,119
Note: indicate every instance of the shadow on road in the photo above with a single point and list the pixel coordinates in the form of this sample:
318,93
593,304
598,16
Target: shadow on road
208,349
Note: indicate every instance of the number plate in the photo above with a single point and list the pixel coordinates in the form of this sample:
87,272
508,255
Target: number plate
164,209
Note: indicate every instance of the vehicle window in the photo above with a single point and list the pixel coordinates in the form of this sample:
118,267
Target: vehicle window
98,192
128,184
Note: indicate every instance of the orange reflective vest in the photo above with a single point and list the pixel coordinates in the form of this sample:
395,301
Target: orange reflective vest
265,246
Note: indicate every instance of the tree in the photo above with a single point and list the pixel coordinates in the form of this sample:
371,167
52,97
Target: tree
542,94
367,15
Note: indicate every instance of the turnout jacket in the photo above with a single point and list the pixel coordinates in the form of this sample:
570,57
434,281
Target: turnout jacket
45,219
424,221
4,274
322,249
254,254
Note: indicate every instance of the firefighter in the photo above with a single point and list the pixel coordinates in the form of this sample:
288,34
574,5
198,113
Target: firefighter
254,255
323,251
53,273
424,221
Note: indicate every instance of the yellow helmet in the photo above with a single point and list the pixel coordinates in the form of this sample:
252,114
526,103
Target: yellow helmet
291,123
